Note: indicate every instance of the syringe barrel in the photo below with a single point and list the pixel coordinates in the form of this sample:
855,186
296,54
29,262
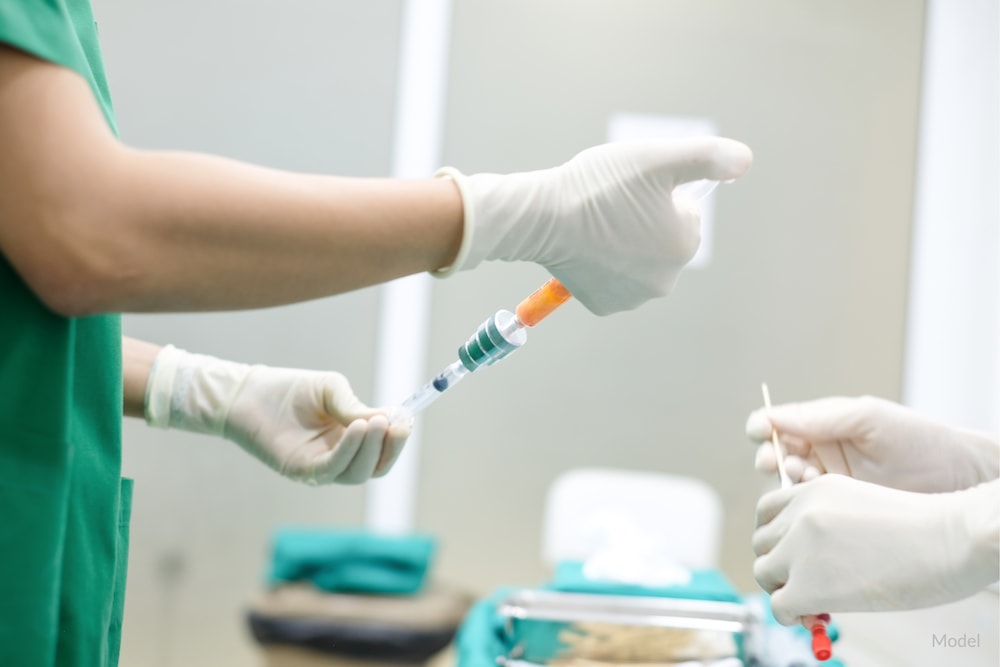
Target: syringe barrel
422,398
430,392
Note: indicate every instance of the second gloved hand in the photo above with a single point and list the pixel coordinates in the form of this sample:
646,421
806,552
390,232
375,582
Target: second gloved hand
605,223
839,545
307,425
874,440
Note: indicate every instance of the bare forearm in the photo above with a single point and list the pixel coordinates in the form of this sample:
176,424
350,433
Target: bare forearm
95,226
137,362
206,233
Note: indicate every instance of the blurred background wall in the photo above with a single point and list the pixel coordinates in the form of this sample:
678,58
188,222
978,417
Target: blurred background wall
806,288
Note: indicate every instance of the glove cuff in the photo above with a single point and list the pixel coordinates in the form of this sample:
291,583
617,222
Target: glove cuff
160,386
192,392
468,223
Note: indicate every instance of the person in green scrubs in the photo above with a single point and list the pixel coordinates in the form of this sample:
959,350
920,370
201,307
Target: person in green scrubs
91,228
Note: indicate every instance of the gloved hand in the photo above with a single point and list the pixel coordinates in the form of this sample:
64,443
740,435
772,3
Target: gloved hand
605,223
307,425
874,440
836,544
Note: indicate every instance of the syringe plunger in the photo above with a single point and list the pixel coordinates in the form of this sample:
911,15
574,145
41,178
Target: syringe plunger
494,339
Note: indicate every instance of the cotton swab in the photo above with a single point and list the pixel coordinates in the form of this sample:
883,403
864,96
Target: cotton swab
778,452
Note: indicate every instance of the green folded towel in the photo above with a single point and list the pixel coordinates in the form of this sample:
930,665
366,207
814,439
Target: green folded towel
481,639
704,585
352,561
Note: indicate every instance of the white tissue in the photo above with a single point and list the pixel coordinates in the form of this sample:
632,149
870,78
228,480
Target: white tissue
627,556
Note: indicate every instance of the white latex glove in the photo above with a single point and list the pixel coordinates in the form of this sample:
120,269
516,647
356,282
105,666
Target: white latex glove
605,223
874,440
307,425
836,544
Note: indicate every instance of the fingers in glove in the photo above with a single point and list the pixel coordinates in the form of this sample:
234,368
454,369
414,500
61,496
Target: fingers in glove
362,466
830,457
795,467
688,234
829,418
692,159
784,605
771,504
796,600
772,521
770,572
329,466
394,441
766,537
759,427
766,461
340,402
795,444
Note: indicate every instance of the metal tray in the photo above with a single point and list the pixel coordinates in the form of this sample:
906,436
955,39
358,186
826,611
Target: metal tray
729,617
545,627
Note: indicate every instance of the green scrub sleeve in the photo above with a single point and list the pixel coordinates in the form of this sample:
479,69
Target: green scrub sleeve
43,28
62,32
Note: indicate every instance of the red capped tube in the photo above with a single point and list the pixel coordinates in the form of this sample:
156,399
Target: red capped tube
821,645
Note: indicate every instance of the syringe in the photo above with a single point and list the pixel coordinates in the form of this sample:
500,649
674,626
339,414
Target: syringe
495,339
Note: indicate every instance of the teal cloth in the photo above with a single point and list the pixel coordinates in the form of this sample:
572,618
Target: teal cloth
481,637
352,561
704,585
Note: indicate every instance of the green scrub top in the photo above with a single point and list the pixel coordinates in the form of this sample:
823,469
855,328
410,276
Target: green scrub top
63,508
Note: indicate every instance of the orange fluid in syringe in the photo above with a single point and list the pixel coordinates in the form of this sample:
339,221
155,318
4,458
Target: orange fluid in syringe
542,302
